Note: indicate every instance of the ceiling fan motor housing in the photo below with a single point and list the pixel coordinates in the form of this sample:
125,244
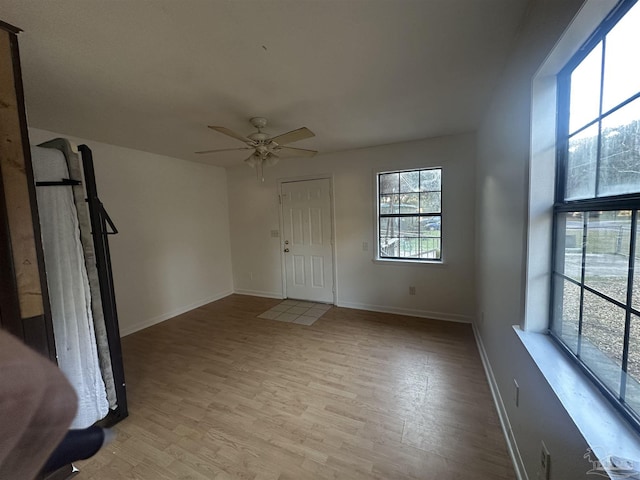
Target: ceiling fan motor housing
258,136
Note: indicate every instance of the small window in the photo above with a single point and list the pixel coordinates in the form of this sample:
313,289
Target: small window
410,215
596,280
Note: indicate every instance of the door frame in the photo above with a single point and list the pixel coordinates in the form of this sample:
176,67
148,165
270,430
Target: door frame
304,178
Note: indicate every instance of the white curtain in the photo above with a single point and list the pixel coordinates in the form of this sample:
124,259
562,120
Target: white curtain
68,287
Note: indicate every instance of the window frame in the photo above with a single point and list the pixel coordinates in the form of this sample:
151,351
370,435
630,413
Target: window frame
378,216
609,203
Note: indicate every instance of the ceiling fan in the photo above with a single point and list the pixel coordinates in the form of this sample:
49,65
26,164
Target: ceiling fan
266,150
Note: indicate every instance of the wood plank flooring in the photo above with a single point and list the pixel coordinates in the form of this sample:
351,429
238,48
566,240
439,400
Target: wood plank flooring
217,393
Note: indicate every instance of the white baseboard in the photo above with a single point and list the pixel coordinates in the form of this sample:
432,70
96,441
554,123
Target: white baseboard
140,325
512,446
258,293
450,317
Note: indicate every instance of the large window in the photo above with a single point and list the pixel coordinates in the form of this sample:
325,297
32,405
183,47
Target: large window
410,215
596,267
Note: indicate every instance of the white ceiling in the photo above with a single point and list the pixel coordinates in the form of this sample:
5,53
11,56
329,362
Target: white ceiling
151,74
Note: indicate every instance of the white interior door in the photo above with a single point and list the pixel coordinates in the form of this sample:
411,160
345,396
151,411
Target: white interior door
308,253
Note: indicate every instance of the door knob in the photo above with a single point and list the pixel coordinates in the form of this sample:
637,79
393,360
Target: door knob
286,250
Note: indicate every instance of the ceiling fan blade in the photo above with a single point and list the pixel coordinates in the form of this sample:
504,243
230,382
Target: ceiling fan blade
231,133
293,136
225,150
295,152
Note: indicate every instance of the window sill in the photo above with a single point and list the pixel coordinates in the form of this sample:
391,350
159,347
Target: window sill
604,430
395,261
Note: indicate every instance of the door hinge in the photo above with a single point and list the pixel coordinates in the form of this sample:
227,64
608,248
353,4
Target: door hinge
280,199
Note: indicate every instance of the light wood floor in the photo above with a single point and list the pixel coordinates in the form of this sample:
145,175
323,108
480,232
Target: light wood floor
217,394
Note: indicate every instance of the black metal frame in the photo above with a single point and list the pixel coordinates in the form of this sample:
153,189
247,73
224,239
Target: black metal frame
380,216
619,202
100,221
65,182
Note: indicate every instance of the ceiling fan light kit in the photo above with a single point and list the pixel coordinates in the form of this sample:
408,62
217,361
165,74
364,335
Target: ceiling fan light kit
266,150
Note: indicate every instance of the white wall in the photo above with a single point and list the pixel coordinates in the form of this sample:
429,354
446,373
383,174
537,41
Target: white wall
503,156
172,252
443,291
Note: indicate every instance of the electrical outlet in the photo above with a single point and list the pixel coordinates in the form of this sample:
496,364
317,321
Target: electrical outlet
365,246
516,392
412,290
545,463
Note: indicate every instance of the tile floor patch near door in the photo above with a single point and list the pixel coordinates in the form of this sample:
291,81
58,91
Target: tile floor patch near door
294,311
